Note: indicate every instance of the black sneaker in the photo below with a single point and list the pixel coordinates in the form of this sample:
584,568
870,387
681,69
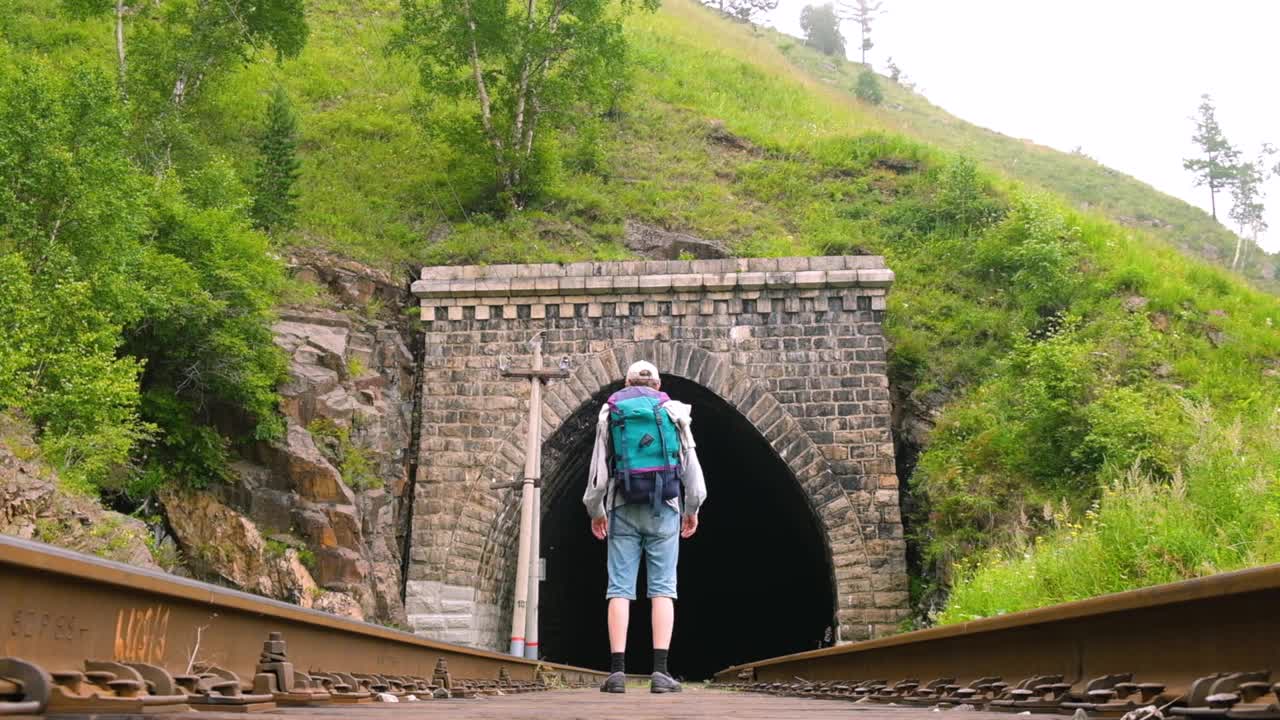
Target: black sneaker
615,683
663,683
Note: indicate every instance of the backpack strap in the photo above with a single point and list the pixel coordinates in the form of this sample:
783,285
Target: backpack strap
620,466
659,476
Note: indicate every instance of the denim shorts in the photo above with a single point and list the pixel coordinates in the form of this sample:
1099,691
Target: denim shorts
637,528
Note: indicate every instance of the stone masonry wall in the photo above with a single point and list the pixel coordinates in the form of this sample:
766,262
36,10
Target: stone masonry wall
794,344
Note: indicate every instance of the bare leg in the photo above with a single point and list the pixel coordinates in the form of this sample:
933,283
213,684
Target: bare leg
619,616
664,618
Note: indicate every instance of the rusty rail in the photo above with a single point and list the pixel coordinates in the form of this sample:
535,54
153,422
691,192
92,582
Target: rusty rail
82,630
1199,648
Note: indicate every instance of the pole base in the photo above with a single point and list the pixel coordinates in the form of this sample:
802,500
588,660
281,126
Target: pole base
531,651
517,648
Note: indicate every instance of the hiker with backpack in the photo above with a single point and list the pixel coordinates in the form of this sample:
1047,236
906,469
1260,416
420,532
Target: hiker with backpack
644,490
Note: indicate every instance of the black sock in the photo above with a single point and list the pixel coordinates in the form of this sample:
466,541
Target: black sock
660,661
617,662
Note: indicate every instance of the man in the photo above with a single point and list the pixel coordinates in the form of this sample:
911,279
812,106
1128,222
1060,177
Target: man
644,454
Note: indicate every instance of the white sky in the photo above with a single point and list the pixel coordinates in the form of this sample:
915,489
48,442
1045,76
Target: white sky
1120,78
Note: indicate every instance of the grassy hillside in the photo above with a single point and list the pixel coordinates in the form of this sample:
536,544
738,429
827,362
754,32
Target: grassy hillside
1104,401
1076,177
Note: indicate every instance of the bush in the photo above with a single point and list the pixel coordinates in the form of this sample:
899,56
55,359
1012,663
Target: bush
964,201
109,271
1064,411
1032,254
868,89
587,154
1218,513
58,363
188,452
351,459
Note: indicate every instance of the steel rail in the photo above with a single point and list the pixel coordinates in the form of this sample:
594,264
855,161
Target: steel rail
1172,634
62,608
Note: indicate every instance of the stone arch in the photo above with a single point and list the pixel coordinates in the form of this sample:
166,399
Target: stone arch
828,500
793,347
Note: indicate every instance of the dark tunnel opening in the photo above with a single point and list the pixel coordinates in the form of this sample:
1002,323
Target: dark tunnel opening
754,582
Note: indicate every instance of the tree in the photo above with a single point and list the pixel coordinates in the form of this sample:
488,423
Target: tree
1217,166
897,76
274,197
821,29
120,11
176,47
115,285
518,65
190,38
1247,194
747,10
862,12
868,88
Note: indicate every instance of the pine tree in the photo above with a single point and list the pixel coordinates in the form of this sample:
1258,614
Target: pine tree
863,12
274,197
1218,165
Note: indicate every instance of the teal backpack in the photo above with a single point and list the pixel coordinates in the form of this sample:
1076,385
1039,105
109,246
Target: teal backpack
646,446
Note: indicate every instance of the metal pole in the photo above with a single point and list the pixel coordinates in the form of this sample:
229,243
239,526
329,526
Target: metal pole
535,571
532,470
531,647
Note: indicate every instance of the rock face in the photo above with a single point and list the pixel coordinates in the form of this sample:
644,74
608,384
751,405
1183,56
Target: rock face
33,507
222,542
352,283
654,242
333,485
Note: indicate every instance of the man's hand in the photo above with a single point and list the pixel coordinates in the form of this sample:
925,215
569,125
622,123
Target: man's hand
600,527
689,526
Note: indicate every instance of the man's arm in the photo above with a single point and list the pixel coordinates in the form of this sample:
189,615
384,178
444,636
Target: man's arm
598,473
695,486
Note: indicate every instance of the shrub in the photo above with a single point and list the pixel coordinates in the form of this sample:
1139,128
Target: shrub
587,153
355,367
1217,513
1032,254
352,460
964,201
1066,409
188,452
60,366
308,560
118,271
868,89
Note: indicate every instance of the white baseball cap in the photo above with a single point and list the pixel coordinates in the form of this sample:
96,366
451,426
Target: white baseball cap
642,370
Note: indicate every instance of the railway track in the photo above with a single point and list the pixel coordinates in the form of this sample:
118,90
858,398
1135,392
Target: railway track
88,636
1203,648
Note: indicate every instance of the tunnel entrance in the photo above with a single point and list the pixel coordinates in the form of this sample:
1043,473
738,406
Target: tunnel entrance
755,581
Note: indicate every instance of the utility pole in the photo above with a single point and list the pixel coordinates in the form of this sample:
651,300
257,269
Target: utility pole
524,613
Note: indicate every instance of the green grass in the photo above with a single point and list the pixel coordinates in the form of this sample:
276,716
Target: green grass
1219,513
1076,364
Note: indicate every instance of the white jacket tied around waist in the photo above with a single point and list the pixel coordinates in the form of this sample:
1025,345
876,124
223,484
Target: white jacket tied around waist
599,480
